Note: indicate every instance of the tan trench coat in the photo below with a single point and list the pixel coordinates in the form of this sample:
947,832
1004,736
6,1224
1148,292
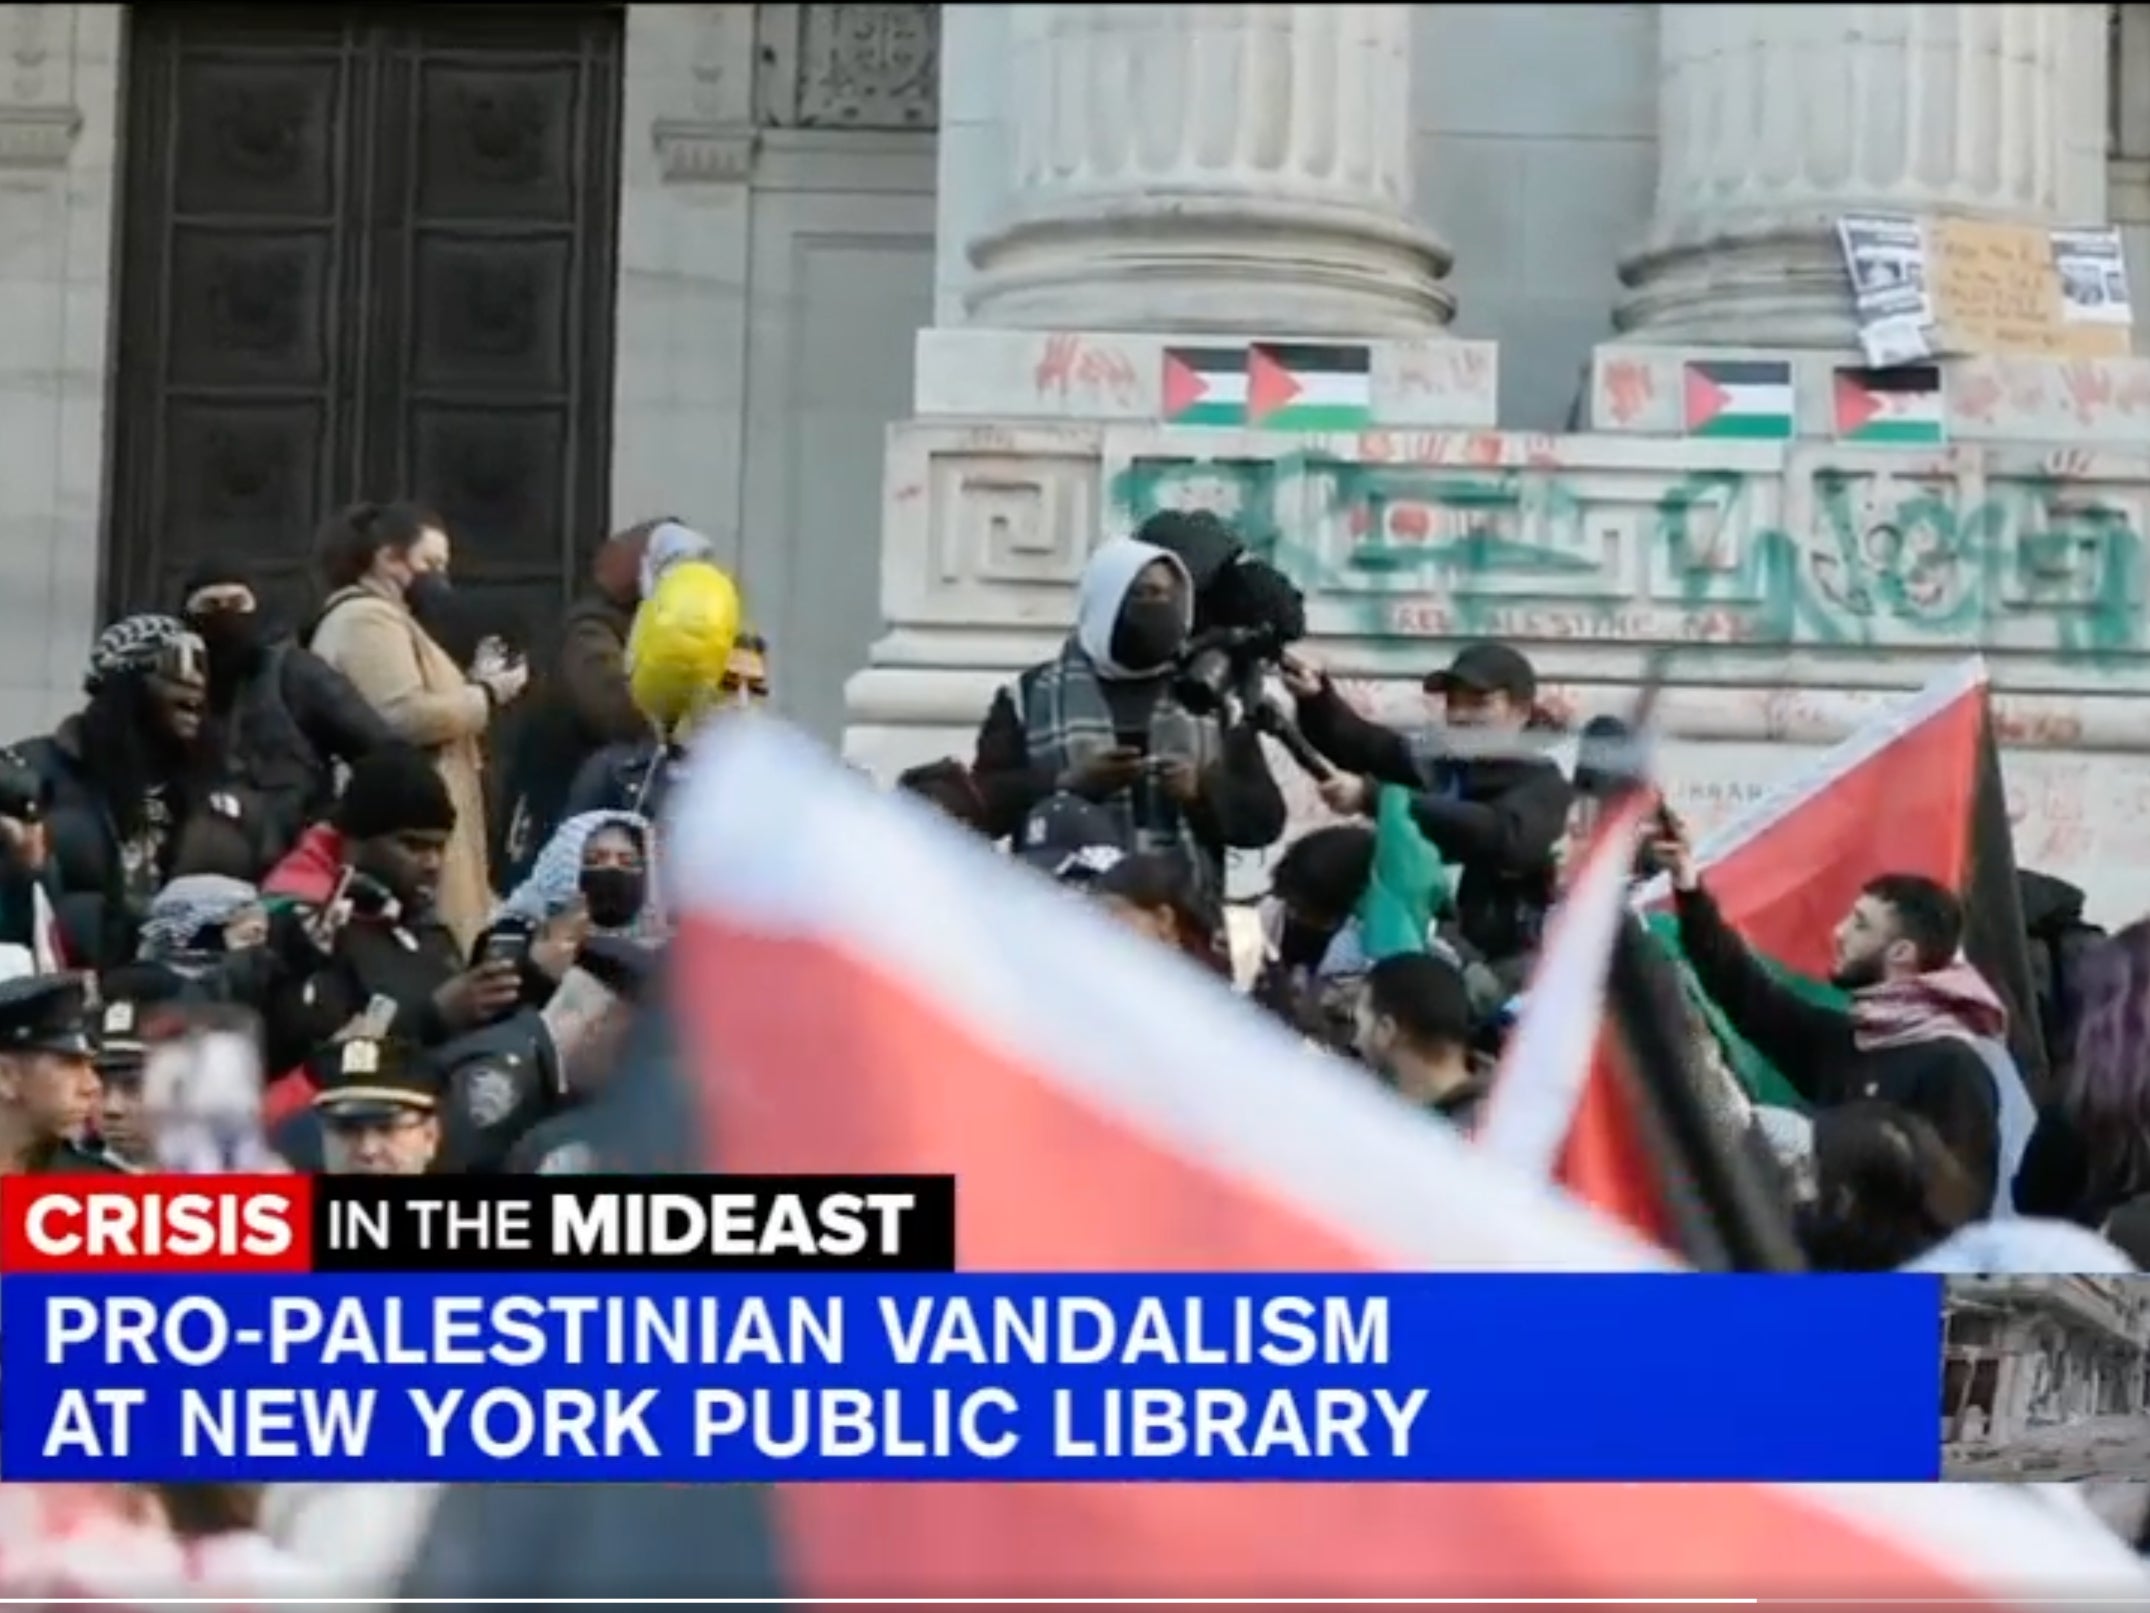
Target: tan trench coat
372,639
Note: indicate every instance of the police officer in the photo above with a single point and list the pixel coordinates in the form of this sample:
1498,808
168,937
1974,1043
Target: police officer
379,1106
591,1130
497,1082
49,1094
121,1125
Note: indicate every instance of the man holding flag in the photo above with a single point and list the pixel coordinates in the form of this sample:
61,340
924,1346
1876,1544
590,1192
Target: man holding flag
1923,1031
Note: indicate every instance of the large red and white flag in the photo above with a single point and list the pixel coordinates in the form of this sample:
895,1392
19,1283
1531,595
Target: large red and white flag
863,988
1559,1107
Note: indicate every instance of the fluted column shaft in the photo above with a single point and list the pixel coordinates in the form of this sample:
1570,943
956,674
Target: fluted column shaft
1774,120
1211,167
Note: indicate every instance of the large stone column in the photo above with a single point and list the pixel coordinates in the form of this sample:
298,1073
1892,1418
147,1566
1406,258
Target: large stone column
1773,120
1211,168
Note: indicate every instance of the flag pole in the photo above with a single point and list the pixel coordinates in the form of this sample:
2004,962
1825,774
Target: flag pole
1714,1178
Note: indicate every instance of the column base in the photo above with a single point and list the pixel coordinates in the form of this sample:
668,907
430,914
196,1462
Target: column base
1785,288
1206,263
1639,388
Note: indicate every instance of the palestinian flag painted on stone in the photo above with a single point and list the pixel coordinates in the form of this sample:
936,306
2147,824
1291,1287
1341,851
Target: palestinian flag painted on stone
1302,387
1891,406
1751,399
1105,1109
1205,386
1915,790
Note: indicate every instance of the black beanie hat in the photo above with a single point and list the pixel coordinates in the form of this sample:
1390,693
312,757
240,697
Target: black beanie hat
394,791
214,572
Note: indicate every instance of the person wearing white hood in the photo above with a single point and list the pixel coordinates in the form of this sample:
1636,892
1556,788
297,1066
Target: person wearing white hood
1099,720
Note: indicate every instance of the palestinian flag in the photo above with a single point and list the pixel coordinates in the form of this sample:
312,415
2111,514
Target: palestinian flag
1294,387
1205,386
1915,790
1741,398
848,1001
1899,406
1758,1078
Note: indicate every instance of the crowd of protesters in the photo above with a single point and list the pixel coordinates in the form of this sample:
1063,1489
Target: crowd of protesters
413,881
1884,1100
369,864
373,827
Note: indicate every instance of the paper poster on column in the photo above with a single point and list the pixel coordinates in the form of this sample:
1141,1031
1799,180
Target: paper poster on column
1885,255
1928,287
1998,289
2093,272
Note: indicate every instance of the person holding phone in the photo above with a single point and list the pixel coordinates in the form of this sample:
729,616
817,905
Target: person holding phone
367,928
592,879
1100,721
387,567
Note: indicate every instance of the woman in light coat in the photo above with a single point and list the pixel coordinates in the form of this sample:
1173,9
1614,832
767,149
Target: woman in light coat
382,562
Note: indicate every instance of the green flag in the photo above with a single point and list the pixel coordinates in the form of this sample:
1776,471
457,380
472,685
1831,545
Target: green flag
1409,883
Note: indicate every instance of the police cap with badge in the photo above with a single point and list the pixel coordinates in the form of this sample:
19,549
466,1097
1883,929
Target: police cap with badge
374,1081
46,1014
121,1051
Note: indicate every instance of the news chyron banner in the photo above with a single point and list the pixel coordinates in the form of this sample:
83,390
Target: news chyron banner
715,1329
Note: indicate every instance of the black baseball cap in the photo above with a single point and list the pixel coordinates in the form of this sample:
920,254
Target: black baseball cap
1488,667
1064,827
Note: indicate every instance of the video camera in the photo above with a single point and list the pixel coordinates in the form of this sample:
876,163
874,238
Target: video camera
1246,612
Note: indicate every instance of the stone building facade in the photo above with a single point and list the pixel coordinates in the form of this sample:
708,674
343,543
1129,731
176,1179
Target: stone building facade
2024,1353
1522,465
878,295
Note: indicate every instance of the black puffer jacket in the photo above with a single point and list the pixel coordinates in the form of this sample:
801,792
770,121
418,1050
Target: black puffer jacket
99,901
581,709
280,736
1496,818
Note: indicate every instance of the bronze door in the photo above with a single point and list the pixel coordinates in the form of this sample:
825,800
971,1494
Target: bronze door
365,253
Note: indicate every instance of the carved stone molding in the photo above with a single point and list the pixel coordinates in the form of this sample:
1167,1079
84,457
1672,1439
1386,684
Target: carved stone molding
691,151
849,67
37,136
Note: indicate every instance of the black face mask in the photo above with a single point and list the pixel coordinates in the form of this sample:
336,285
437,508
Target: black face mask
234,640
613,895
429,595
1148,633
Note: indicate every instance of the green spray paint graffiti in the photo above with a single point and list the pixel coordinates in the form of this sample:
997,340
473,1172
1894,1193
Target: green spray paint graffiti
1838,557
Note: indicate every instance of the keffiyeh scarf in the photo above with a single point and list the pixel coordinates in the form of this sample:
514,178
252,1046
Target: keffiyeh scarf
555,880
131,644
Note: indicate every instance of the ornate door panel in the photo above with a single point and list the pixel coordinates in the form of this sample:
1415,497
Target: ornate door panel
492,256
365,254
